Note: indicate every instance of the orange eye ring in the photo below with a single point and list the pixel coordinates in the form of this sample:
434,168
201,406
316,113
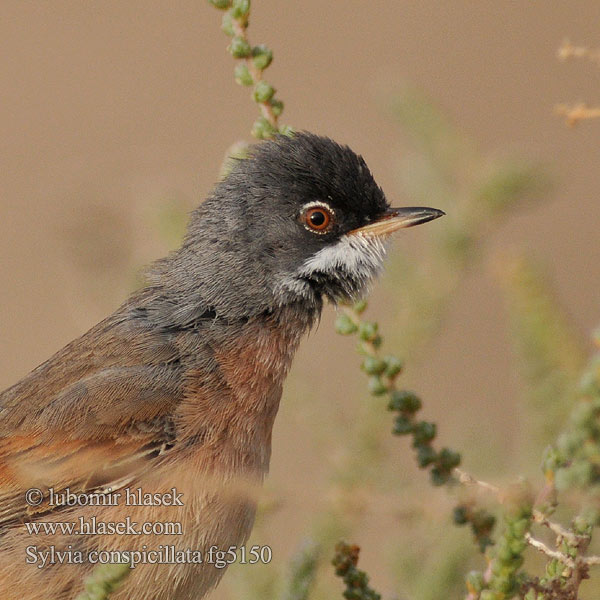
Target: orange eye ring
318,218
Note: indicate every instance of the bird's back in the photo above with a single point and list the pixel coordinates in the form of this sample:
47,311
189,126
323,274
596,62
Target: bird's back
134,405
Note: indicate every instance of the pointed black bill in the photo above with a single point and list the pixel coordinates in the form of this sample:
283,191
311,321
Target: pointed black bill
399,218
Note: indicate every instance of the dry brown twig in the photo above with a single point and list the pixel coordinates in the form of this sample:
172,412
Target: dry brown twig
563,558
577,112
568,51
540,518
580,111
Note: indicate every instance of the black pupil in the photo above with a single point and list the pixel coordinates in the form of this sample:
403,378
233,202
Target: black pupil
317,218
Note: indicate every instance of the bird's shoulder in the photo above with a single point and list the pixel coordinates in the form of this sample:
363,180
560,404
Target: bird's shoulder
100,410
121,368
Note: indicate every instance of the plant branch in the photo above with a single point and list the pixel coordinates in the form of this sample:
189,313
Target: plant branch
253,60
568,51
577,112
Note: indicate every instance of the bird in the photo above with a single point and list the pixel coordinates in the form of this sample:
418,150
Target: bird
162,413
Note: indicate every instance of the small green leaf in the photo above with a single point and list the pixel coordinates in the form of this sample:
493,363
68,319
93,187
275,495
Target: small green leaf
426,455
376,386
404,401
402,426
276,106
263,92
373,365
227,24
239,47
242,75
360,306
460,516
424,433
448,459
393,366
240,9
262,129
344,325
367,331
262,56
220,4
439,477
287,130
475,581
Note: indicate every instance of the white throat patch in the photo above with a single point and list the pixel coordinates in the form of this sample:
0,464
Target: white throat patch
353,258
358,256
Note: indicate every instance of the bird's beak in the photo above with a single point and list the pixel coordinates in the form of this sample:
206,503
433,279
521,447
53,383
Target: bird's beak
398,218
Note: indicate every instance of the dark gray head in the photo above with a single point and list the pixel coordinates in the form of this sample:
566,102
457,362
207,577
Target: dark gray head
300,219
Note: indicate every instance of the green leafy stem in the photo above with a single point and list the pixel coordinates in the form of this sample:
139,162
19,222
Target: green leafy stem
252,62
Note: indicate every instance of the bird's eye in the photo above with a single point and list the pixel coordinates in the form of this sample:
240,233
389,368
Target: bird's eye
318,219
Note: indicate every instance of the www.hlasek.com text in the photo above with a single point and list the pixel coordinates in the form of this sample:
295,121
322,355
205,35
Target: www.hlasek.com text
94,526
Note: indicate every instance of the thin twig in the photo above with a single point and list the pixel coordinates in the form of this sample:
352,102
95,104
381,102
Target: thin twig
467,479
563,558
266,109
568,51
561,532
577,112
540,518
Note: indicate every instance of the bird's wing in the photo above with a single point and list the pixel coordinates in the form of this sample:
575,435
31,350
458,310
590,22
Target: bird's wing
90,418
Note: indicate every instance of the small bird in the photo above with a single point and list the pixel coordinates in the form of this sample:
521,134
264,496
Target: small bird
150,434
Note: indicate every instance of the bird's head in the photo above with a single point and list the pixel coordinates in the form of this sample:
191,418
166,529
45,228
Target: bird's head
300,219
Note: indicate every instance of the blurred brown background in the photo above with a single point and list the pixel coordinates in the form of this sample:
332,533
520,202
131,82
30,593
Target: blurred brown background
114,112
